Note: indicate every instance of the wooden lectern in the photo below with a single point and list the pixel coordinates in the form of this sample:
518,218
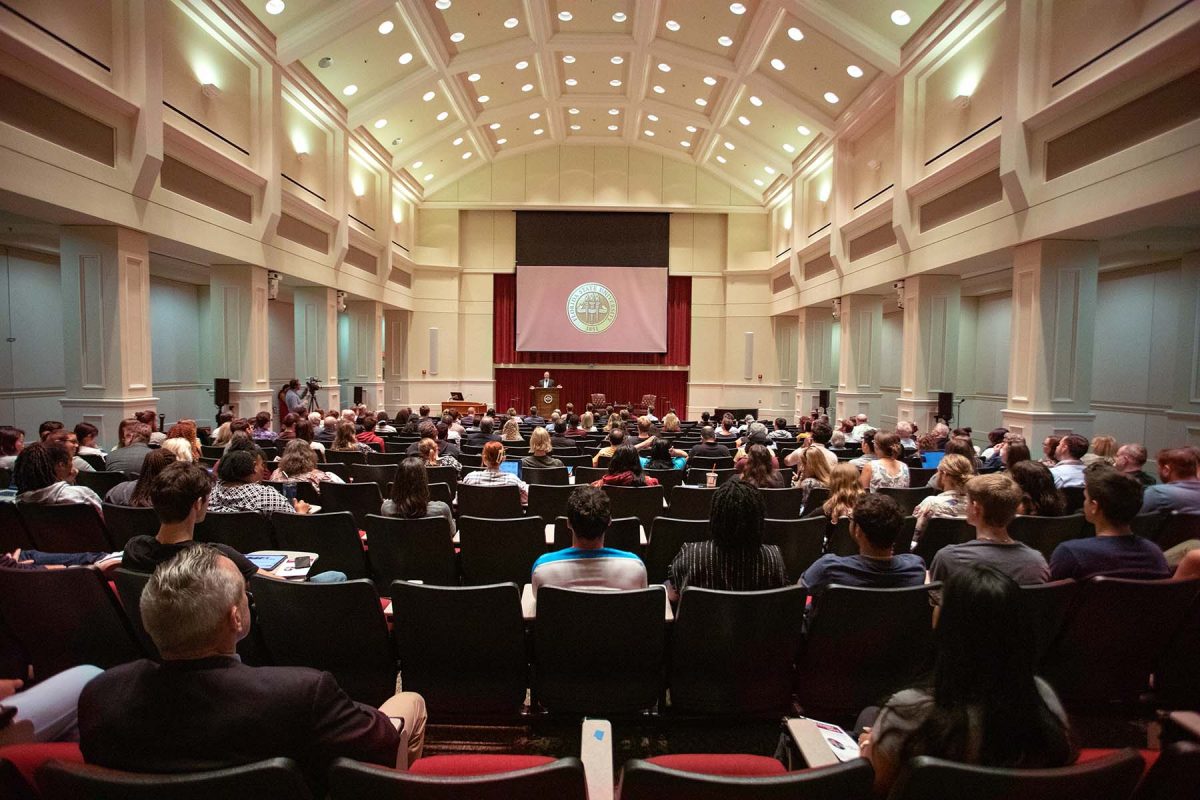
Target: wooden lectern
546,401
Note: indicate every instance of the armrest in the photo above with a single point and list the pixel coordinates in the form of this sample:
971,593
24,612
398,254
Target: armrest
1182,725
595,751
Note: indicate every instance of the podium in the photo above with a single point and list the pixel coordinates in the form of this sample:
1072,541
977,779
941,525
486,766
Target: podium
546,401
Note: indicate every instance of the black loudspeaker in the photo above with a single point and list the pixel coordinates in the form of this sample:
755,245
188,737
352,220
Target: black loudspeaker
221,391
823,400
945,406
358,395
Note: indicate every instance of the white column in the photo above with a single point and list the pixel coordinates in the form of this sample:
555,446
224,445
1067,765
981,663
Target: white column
1185,408
238,330
316,341
395,363
815,369
861,324
1053,334
106,326
929,359
366,350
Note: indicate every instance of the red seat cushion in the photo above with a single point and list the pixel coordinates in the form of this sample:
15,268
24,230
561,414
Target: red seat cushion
483,764
28,757
732,764
1096,753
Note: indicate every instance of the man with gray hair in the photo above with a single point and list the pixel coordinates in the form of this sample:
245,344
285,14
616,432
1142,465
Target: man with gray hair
1130,460
202,708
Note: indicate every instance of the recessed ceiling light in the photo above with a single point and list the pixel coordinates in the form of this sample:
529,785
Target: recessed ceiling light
755,101
769,170
700,101
803,130
795,34
572,110
418,164
691,128
617,60
467,155
565,16
429,177
568,59
901,17
652,117
527,87
685,143
724,41
442,116
512,22
778,65
830,97
659,90
522,64
737,8
744,120
571,82
349,90
854,71
495,126
612,127
789,148
648,132
538,131
502,141
663,67
457,36
758,182
721,159
386,27
483,98
619,17
457,141
380,123
405,58
710,80
614,111
535,115
275,6
672,25
576,127
474,76
442,5
429,95
614,82
729,146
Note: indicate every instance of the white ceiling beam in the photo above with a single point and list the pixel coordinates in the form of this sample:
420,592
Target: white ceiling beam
684,55
645,22
509,52
650,106
336,20
520,108
537,13
374,105
610,43
830,21
822,120
413,151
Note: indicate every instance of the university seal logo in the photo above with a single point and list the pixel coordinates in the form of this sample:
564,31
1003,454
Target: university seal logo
592,308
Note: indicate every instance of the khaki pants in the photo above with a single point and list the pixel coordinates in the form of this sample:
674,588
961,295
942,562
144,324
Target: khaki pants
411,707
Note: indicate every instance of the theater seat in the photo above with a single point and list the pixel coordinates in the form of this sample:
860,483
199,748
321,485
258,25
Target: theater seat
271,779
742,777
476,764
721,764
19,763
477,777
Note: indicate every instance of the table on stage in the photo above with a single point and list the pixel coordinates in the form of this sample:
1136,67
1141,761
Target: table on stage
462,405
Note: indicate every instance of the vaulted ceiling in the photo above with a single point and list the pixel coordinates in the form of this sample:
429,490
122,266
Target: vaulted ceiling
739,88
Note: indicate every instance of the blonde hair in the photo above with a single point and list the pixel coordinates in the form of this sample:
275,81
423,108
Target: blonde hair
844,491
539,442
587,421
998,497
670,423
957,469
427,448
511,432
816,466
1104,446
181,447
344,438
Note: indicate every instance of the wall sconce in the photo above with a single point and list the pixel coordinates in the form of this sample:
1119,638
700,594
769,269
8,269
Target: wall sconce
899,287
358,186
837,308
273,281
210,90
341,302
397,215
962,101
824,191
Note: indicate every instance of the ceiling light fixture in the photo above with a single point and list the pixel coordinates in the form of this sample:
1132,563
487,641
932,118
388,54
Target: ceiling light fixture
348,91
803,130
830,97
652,117
789,148
442,5
709,80
662,67
457,141
614,111
527,87
614,82
648,132
612,127
572,110
474,76
691,128
744,120
619,17
659,90
778,65
854,71
442,116
386,27
729,146
571,82
483,98
672,25
724,41
538,131
467,155
536,115
769,170
429,177
358,186
457,36
576,127
512,22
795,34
429,95
758,182
405,58
617,60
380,123
275,7
755,101
418,164
521,64
685,143
494,126
721,159
568,59
700,101
565,16
901,17
502,141
737,8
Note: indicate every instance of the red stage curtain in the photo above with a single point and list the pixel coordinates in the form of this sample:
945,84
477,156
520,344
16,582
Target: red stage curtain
679,331
621,385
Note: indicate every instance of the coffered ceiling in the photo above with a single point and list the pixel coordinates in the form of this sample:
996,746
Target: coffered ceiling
739,88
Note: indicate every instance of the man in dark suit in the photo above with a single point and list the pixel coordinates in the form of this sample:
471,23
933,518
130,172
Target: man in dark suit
547,382
202,708
708,447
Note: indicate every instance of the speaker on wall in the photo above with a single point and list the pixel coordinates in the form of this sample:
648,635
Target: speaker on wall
748,357
945,406
433,351
358,395
823,399
221,391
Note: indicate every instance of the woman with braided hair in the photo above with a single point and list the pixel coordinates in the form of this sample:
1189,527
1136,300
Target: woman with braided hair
44,474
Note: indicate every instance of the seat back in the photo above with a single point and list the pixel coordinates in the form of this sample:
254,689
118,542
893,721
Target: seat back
353,780
1046,533
1046,606
100,482
667,478
66,617
783,503
708,462
942,531
907,497
1091,664
1174,776
643,502
622,534
462,648
1074,497
244,531
94,459
500,550
643,780
73,528
699,477
690,502
545,476
273,779
125,522
446,475
838,540
411,549
333,536
1176,679
1178,528
863,644
549,502
714,632
389,458
587,474
12,529
667,536
345,456
1110,778
382,474
612,664
360,499
816,498
130,585
800,540
336,468
1149,525
489,502
335,627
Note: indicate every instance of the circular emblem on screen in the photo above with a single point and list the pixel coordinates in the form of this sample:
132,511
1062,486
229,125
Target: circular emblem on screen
592,308
547,398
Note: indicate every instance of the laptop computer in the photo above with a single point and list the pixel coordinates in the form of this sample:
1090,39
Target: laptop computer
456,396
511,466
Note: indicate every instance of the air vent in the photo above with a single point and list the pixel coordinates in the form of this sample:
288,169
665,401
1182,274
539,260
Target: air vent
971,196
872,241
193,184
301,232
49,119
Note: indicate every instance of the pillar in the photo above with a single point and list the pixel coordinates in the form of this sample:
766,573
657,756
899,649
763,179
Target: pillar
861,324
365,351
1053,334
929,358
316,341
106,326
238,335
1185,406
395,362
815,369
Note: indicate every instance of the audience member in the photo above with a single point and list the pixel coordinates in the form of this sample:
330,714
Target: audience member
1050,450
859,427
485,433
368,436
728,427
181,448
844,492
328,431
1068,469
886,470
995,439
85,436
261,431
760,469
1179,491
587,563
46,711
12,442
904,430
128,458
708,447
427,451
982,704
540,448
992,502
1130,459
299,463
814,472
625,469
492,475
186,429
196,608
781,432
383,425
616,439
1111,500
670,423
426,430
1014,450
346,439
735,558
1102,451
511,432
664,456
820,437
238,488
65,437
136,493
954,471
44,475
875,526
409,498
1039,496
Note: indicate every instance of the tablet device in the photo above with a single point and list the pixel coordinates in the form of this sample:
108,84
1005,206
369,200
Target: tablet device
511,466
267,561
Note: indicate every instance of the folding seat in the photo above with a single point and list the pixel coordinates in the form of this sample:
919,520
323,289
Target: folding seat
272,779
12,529
697,476
396,454
667,478
1046,606
469,459
244,531
589,474
130,585
381,474
489,502
942,531
101,482
333,536
462,648
1176,678
838,540
345,456
470,777
548,502
800,540
1149,525
360,499
667,536
1178,528
446,475
335,627
622,534
907,497
411,549
740,777
580,460
336,468
783,503
545,476
74,528
212,450
919,476
1074,498
499,550
125,522
1046,533
816,498
643,502
706,463
690,502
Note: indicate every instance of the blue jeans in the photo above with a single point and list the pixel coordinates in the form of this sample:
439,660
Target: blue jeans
61,559
332,576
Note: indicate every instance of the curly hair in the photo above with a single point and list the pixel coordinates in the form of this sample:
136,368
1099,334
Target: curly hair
36,466
736,520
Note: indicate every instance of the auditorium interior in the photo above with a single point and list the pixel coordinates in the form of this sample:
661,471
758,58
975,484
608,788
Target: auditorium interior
980,211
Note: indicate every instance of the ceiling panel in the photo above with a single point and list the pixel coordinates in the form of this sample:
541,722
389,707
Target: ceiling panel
366,59
683,86
878,16
592,16
773,123
466,26
412,117
595,121
707,25
591,73
813,65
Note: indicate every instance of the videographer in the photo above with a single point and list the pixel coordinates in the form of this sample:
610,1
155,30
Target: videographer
294,394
